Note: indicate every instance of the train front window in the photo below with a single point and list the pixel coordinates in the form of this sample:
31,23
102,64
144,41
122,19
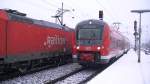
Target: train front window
89,34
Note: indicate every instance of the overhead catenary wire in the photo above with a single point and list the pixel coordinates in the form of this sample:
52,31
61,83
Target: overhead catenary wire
82,11
55,4
37,5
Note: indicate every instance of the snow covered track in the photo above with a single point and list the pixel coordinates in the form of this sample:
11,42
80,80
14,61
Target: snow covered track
69,73
65,76
80,77
45,75
14,73
90,77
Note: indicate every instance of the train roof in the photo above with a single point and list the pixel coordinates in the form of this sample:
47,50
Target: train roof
21,17
33,21
91,21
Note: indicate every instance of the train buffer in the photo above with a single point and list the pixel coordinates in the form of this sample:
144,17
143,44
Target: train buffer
126,70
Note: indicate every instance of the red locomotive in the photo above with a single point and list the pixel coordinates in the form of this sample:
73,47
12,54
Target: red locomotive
97,43
25,41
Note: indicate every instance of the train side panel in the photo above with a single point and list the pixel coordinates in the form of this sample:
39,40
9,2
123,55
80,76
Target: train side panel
3,23
26,43
2,38
117,44
70,38
105,49
30,41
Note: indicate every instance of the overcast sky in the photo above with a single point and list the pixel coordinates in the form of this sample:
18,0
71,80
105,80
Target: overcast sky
114,11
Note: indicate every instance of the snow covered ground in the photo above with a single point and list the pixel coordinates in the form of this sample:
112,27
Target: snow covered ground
78,77
43,76
126,71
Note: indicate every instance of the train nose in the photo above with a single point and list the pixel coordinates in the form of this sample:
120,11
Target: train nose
87,57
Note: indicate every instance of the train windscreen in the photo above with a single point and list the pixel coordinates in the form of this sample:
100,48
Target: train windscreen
89,36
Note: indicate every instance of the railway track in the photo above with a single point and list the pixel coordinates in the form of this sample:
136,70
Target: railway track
65,76
14,73
91,76
79,76
59,75
44,75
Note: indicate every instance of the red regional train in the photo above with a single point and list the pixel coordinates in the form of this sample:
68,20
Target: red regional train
26,42
97,43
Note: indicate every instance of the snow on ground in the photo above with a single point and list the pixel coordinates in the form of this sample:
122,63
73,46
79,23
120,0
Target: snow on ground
126,71
77,78
43,76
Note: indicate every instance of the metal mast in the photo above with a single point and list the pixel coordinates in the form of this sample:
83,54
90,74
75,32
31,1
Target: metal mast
60,13
139,47
117,25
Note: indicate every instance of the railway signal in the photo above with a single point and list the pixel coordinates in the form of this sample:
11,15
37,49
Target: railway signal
101,15
139,31
135,34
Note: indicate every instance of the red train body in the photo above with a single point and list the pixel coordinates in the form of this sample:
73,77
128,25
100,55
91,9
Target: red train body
24,39
97,43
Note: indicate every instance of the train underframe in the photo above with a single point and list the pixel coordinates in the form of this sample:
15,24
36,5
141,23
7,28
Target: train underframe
90,58
9,64
95,58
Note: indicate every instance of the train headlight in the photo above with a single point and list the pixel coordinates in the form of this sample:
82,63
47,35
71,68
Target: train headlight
78,47
98,48
102,47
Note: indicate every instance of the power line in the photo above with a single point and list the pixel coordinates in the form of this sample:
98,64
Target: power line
82,11
37,5
48,3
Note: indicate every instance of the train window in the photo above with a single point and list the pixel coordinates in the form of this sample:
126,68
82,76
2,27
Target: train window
89,34
89,26
114,43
